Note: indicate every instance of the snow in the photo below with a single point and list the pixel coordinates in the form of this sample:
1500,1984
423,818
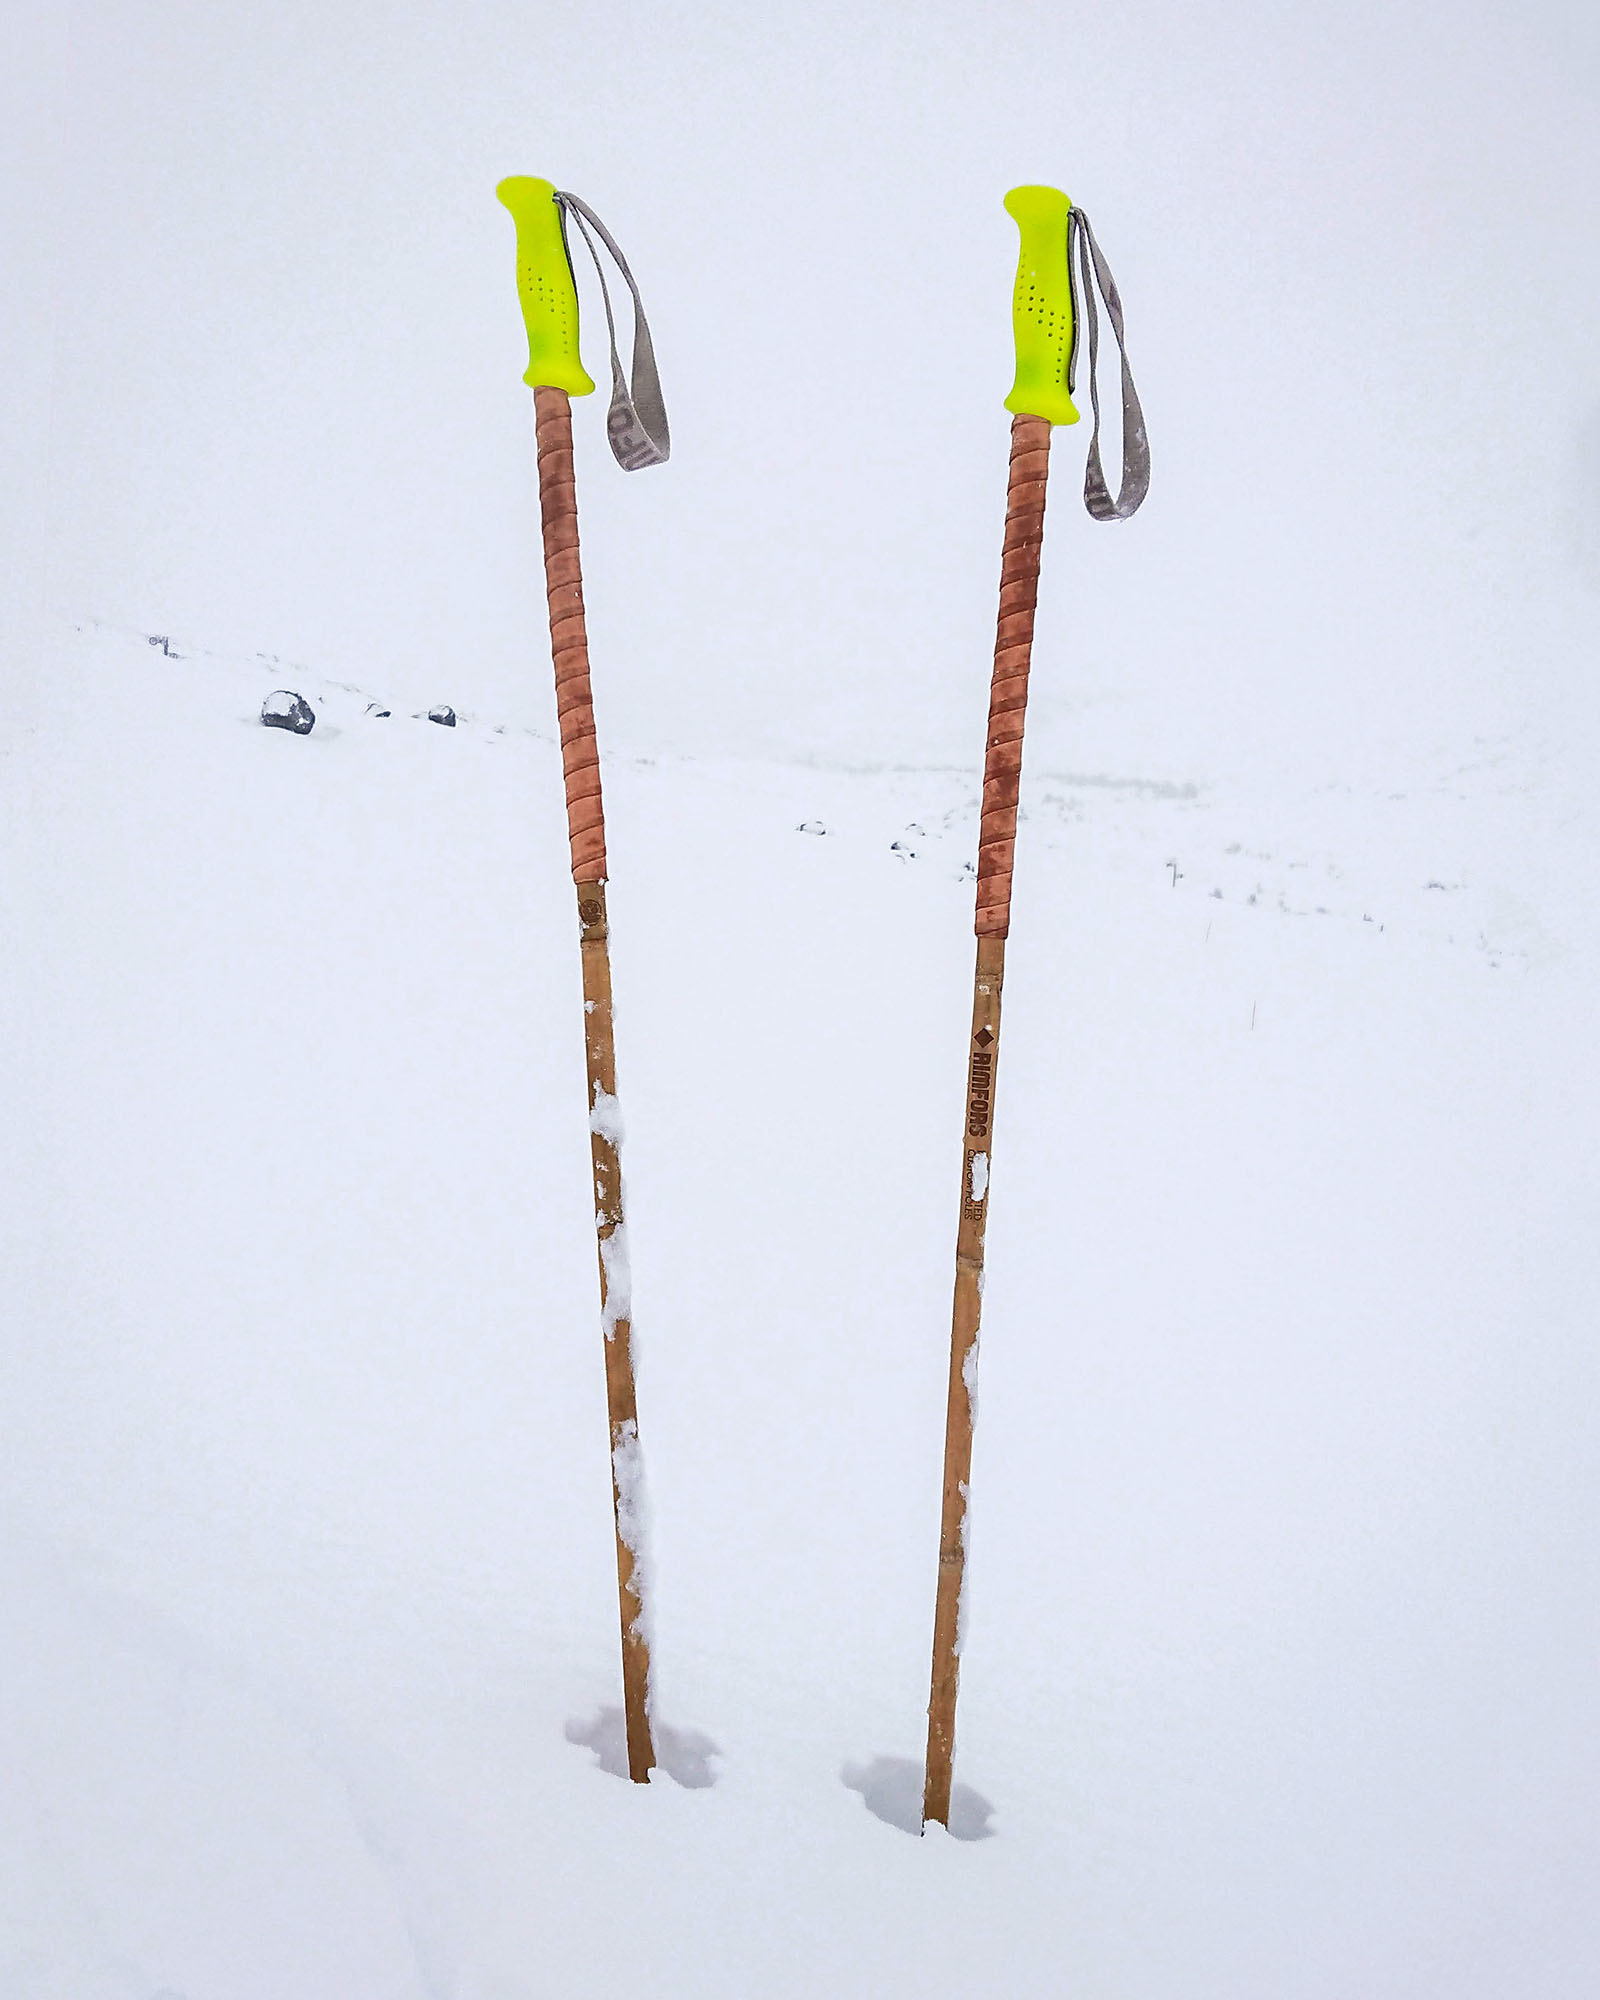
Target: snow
619,1280
969,1378
605,1118
1281,1670
633,1518
978,1176
964,1603
1282,1673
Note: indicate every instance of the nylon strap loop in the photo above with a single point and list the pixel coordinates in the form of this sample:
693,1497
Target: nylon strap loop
1091,268
636,423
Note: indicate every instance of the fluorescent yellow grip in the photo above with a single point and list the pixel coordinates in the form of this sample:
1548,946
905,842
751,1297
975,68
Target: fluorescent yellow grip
544,285
1041,306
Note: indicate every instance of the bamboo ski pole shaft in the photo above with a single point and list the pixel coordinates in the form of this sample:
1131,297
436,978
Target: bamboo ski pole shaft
1042,315
586,833
555,373
1002,770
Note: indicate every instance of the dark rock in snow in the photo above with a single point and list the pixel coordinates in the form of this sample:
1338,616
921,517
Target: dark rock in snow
443,713
374,710
284,709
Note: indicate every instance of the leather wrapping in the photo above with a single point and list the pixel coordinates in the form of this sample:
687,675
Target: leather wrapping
1013,652
569,638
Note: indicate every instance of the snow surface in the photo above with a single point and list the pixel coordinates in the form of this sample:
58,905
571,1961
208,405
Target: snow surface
1281,1671
1280,1674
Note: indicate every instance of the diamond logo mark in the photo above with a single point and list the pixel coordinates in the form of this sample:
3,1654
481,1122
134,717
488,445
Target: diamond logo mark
984,1036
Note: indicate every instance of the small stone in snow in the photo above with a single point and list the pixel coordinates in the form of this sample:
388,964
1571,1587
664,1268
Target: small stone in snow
284,709
811,826
375,711
443,713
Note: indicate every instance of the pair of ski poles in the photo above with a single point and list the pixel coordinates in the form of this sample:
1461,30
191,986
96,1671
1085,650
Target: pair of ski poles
1059,267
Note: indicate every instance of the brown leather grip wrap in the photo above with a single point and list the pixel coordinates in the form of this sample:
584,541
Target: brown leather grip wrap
569,638
1013,649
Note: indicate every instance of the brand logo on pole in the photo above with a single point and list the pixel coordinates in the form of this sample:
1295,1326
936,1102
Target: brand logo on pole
980,1090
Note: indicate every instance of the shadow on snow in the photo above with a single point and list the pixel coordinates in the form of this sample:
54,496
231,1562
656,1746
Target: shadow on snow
684,1754
891,1789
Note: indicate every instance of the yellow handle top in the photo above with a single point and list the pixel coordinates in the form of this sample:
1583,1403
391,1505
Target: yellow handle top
1041,306
544,285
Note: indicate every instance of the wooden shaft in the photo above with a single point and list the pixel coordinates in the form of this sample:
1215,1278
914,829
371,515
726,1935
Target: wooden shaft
587,834
1013,651
569,637
983,1052
997,836
616,1310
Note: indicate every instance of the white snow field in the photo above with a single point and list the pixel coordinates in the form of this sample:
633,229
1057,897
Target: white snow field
1281,1674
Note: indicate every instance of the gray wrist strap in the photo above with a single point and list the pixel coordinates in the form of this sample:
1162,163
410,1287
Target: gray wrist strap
636,423
1090,269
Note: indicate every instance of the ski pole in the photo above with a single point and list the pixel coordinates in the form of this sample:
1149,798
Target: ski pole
1045,324
638,432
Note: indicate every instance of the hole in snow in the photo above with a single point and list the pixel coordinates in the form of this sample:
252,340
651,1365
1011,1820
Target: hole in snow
891,1790
684,1754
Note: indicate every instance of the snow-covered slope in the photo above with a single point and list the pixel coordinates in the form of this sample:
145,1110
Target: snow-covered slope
1282,1670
